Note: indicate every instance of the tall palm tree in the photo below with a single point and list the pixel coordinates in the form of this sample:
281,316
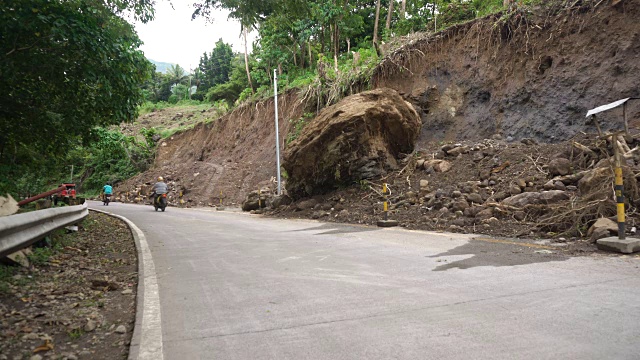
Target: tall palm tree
177,74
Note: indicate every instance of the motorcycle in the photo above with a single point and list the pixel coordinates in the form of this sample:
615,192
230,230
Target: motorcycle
106,199
160,201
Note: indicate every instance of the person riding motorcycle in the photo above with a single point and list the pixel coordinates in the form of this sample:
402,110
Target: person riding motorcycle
158,189
107,191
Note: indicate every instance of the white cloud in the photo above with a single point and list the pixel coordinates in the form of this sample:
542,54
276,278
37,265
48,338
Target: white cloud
173,37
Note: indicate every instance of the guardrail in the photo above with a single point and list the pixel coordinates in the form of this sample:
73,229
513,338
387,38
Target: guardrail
21,230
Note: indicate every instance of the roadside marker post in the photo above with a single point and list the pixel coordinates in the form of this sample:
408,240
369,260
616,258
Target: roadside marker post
618,187
620,243
385,222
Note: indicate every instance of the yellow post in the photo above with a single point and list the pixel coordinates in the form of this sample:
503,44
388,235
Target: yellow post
618,187
385,192
220,197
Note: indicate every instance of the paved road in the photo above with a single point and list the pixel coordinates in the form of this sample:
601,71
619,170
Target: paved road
237,286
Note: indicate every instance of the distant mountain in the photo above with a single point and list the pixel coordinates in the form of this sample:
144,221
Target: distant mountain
162,67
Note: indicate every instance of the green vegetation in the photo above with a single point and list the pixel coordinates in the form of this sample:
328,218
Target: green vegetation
66,68
70,70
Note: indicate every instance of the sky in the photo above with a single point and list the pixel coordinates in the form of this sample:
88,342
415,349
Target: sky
172,37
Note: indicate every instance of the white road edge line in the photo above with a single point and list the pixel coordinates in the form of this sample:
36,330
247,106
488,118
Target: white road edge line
148,327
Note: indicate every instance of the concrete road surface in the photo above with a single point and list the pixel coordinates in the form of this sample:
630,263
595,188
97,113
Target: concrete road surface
238,286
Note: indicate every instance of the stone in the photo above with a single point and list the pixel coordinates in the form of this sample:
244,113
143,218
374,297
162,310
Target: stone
306,204
280,200
553,196
458,150
8,206
604,223
559,185
420,164
455,228
528,141
121,329
424,184
459,222
500,195
90,326
559,166
594,179
600,233
485,214
35,357
515,190
544,197
456,194
519,215
484,174
438,165
31,336
127,292
475,198
325,154
521,183
254,201
572,188
448,147
459,205
549,185
491,221
478,156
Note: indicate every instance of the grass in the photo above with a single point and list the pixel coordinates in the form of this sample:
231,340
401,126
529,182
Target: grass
75,333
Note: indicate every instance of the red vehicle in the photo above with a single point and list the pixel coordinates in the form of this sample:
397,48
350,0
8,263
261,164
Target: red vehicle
69,192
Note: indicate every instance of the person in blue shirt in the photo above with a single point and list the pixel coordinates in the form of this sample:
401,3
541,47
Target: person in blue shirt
107,190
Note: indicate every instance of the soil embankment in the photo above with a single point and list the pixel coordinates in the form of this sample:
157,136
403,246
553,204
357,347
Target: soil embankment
522,74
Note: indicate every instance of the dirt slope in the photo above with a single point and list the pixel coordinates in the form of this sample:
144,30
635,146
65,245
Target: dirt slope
519,74
522,74
233,155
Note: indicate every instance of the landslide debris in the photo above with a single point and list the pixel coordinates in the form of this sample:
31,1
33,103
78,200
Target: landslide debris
494,187
358,138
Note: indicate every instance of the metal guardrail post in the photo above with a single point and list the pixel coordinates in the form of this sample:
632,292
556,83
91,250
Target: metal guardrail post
21,230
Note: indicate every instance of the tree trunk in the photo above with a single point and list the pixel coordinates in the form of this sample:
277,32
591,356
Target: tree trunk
389,13
246,59
375,24
348,45
403,9
310,55
301,55
322,40
336,40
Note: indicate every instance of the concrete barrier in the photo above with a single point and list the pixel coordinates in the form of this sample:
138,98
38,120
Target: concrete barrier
21,230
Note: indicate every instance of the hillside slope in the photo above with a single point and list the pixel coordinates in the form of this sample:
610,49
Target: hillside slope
522,74
519,74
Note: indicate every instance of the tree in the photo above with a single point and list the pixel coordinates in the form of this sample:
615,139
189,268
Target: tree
177,74
66,67
375,26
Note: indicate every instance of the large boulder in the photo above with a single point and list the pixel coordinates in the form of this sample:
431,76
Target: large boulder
543,197
358,138
255,201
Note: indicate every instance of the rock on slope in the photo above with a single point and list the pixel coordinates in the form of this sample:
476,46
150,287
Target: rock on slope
358,138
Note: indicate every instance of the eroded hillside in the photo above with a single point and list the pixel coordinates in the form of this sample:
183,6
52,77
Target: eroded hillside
521,74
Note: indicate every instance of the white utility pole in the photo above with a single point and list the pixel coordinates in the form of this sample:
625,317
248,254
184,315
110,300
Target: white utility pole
275,96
